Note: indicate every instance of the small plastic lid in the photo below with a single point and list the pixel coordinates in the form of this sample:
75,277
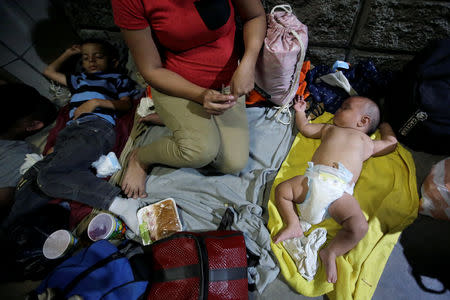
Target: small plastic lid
57,244
101,227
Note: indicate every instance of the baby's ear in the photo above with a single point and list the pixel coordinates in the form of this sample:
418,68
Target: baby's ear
364,121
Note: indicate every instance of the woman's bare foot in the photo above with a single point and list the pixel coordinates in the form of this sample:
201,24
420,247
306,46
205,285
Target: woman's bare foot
133,183
288,232
152,118
329,261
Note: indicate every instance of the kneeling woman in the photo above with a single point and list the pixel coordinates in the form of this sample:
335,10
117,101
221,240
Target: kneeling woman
186,51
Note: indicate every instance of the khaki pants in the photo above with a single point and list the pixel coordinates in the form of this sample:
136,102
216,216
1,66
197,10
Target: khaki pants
198,138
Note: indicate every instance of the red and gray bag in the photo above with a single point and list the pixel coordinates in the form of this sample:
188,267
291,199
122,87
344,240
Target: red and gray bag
199,265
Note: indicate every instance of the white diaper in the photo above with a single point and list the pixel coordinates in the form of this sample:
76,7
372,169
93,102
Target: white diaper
325,185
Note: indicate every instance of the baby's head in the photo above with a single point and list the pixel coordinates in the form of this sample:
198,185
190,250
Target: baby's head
98,56
359,113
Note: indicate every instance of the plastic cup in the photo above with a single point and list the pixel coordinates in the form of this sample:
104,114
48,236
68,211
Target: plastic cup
58,244
106,227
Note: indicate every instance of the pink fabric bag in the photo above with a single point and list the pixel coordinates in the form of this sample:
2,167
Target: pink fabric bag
281,58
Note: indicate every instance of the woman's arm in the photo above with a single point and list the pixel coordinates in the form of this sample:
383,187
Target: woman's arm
254,31
148,62
52,69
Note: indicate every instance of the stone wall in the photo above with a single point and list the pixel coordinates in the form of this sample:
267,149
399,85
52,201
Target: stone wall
389,32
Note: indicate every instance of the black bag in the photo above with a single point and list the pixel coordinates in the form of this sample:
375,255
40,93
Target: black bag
22,243
418,103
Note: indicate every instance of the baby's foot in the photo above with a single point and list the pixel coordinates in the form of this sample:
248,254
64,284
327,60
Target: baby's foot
329,261
288,232
133,183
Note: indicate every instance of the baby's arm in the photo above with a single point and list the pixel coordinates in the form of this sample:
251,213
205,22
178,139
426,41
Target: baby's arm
388,141
52,69
307,129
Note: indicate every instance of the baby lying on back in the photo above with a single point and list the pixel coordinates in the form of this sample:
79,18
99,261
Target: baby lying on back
326,189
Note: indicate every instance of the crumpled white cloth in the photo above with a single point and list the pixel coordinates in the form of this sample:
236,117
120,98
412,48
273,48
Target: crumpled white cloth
30,160
304,251
338,79
107,165
146,107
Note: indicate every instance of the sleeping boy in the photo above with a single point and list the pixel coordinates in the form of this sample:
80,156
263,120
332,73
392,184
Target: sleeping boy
98,93
326,188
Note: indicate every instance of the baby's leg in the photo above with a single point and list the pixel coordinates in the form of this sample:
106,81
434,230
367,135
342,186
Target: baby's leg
345,211
287,194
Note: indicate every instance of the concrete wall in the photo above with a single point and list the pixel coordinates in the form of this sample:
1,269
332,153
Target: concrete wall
32,33
389,32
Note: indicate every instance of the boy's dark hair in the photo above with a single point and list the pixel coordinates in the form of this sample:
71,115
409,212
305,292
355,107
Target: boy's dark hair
19,101
108,48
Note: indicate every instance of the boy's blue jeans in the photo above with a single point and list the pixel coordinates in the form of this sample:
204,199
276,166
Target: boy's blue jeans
66,173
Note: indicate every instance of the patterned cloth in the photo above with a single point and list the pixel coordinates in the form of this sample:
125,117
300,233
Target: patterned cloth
364,77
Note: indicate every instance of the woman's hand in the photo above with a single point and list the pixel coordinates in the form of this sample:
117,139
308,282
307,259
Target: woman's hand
216,103
243,80
86,107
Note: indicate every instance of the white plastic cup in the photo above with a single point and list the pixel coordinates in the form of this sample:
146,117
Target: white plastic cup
58,244
105,226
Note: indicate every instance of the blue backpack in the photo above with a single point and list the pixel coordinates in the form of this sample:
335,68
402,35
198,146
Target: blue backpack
100,271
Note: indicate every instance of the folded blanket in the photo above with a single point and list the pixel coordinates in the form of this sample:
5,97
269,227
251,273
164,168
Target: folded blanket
387,194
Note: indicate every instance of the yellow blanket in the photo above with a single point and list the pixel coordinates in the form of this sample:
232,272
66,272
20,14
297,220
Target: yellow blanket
387,193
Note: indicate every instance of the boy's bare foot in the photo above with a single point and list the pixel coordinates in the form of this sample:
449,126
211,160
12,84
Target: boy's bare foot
133,183
288,232
329,261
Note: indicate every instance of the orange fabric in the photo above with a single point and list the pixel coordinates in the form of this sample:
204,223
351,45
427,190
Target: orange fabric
302,91
254,97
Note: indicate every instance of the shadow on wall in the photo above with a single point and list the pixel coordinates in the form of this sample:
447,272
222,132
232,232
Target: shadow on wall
53,36
426,245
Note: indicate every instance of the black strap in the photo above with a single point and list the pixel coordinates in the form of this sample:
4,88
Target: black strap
176,273
97,265
227,220
204,267
227,274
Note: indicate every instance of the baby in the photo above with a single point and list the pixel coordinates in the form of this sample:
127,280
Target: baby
326,188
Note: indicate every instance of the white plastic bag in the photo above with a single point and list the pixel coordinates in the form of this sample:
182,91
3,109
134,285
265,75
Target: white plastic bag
435,191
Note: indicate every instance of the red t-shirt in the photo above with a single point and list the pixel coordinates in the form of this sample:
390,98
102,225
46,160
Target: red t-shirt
195,38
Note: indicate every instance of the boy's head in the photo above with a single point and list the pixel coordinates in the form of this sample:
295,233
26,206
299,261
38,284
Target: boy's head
359,113
98,56
25,111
